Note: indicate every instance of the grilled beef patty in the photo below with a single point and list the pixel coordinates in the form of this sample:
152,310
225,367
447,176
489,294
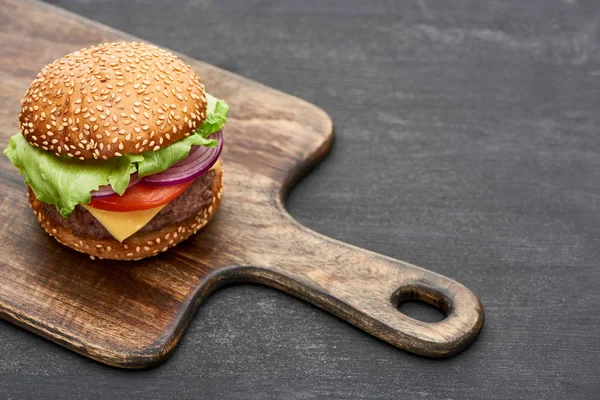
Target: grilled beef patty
196,197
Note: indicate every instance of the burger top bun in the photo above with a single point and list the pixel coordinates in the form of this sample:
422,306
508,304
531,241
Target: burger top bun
111,99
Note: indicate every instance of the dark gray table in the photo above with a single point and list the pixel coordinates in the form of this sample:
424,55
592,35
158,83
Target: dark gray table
468,142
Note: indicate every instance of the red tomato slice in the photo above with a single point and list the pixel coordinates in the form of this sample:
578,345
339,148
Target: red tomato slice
140,197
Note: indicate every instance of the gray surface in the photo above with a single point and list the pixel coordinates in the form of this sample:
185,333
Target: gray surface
468,142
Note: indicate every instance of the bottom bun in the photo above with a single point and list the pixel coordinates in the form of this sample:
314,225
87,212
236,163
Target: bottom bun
141,244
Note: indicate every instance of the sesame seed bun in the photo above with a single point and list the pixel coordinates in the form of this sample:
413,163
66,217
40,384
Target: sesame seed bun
141,244
111,99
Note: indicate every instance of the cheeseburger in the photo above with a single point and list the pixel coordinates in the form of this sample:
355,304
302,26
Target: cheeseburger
120,146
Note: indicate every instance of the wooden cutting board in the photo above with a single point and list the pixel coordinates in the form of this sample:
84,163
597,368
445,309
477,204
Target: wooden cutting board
132,314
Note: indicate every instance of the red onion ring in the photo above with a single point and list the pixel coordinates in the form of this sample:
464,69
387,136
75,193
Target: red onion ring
198,162
107,190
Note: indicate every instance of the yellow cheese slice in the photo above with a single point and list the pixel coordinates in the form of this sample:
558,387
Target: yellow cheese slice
123,224
217,163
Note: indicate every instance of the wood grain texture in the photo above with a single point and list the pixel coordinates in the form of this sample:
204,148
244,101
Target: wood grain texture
133,314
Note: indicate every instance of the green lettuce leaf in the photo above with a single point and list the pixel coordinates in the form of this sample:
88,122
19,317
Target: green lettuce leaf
66,182
158,161
216,115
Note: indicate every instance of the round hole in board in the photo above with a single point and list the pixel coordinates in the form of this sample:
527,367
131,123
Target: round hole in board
422,311
422,303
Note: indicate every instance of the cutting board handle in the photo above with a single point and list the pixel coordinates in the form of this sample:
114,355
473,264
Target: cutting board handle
365,289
